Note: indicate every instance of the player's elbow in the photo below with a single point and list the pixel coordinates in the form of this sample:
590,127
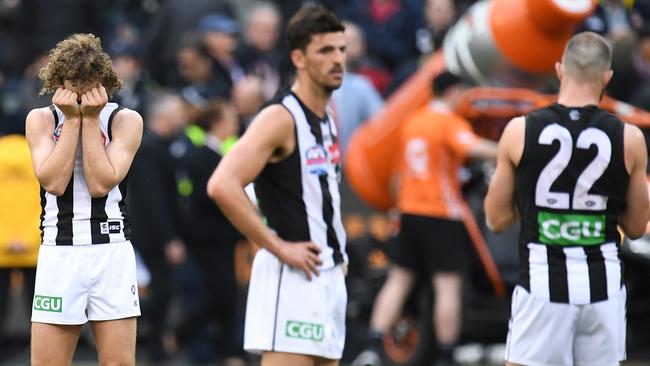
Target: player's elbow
216,190
497,224
98,190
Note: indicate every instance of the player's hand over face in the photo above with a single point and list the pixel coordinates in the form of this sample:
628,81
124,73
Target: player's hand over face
93,101
66,100
303,256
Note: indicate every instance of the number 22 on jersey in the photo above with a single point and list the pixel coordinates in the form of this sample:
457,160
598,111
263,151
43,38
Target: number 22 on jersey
582,200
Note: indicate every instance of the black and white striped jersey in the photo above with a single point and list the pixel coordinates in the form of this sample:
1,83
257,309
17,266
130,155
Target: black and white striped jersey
300,195
571,187
75,218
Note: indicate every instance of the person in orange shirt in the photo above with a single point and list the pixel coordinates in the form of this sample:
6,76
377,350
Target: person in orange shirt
434,144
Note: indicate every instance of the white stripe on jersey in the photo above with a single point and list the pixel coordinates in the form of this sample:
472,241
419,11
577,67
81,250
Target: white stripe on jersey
577,275
114,214
81,204
538,262
612,269
49,219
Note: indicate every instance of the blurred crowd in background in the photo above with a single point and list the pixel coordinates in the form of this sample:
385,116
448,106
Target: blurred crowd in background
198,71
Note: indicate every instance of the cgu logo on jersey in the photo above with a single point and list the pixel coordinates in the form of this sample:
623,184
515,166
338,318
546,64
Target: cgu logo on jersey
316,158
571,229
306,331
48,303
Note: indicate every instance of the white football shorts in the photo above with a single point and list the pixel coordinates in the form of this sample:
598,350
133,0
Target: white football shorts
285,312
543,333
75,284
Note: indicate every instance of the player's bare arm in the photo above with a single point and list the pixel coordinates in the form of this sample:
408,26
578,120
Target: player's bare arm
500,210
270,138
633,221
53,162
105,168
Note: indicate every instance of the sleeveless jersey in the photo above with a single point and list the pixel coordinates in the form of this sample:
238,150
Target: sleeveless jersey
299,195
571,186
75,218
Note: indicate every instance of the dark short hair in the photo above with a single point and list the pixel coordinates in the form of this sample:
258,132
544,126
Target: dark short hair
309,20
443,81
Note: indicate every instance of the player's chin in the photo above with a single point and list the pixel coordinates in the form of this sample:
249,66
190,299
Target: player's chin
333,85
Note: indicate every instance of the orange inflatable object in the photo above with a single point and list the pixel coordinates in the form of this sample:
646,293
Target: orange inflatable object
531,34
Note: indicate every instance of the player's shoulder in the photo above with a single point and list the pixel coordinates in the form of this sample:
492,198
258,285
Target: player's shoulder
42,115
125,114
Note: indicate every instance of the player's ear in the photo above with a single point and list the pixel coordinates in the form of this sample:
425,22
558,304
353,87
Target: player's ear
558,70
298,58
608,76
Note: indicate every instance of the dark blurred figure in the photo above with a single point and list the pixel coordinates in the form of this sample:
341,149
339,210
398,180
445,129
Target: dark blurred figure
611,19
219,34
30,85
43,23
164,35
631,64
211,238
154,212
260,54
136,83
390,27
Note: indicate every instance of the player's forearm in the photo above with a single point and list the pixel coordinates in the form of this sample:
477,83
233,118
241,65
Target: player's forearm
499,217
98,170
236,206
55,172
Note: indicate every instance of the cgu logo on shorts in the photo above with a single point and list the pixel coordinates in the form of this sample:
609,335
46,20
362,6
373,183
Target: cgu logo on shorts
306,331
571,229
48,303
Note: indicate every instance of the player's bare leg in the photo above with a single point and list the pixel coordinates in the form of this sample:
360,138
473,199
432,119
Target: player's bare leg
282,359
326,362
53,345
391,297
115,341
447,307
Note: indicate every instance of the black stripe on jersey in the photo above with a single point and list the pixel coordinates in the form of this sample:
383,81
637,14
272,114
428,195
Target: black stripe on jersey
558,284
524,268
109,127
43,204
64,216
328,206
98,217
126,227
597,273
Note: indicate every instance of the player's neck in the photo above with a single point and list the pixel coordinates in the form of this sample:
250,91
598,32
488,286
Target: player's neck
578,95
312,95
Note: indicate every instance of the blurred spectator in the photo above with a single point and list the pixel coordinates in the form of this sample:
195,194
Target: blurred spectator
30,86
219,34
356,100
439,16
389,25
611,19
154,212
211,238
358,60
19,218
136,85
248,98
197,73
260,54
164,35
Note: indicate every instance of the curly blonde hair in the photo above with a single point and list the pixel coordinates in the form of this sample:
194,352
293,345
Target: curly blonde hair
79,58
